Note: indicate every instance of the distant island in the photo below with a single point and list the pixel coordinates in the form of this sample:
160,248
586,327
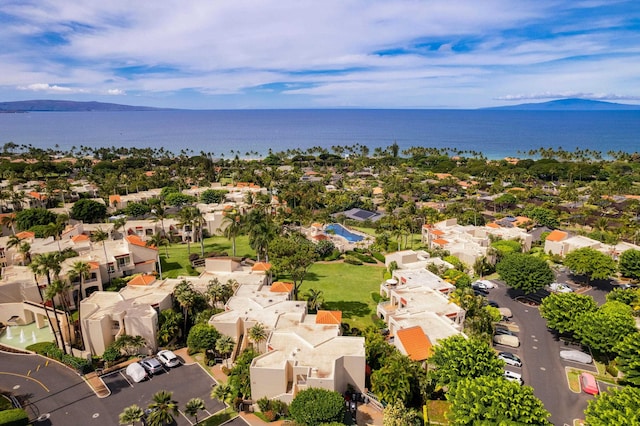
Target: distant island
573,104
69,106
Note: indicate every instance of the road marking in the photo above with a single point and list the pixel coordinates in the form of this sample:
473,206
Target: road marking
38,367
534,347
28,378
543,369
125,377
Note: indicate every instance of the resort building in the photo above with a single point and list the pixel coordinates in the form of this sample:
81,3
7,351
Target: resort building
561,243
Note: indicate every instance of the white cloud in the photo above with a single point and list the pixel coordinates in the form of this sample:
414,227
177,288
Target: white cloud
45,87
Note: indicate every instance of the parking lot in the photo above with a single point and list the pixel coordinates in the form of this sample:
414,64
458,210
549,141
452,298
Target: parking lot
186,382
542,368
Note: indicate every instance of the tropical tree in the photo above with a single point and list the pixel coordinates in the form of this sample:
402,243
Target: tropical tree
314,299
591,263
88,211
131,415
223,392
60,288
101,236
186,296
628,360
80,270
496,401
616,407
202,337
396,414
163,408
257,334
561,310
193,406
169,326
525,272
232,226
9,221
293,255
156,241
129,345
186,221
261,231
314,406
602,329
629,264
224,346
44,265
456,358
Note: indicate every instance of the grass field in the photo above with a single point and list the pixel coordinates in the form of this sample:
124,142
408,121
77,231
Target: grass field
347,288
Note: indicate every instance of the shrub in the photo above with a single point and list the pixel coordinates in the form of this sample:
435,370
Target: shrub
352,260
378,256
314,406
270,415
280,407
333,256
612,370
264,404
14,417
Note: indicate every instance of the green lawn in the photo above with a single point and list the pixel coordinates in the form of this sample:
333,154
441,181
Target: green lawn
347,288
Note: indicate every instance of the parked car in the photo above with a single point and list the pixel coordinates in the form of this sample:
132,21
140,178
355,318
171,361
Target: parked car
514,377
493,303
560,288
589,383
168,358
487,283
152,365
506,340
136,372
505,312
577,356
510,359
480,291
504,330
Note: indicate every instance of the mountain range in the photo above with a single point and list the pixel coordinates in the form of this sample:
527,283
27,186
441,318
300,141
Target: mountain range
573,104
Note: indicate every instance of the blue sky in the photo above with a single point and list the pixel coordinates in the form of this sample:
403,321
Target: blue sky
229,54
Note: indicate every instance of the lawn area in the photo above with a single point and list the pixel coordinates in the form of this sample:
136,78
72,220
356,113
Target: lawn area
178,261
347,288
437,411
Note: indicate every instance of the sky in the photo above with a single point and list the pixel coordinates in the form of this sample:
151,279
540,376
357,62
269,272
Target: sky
240,54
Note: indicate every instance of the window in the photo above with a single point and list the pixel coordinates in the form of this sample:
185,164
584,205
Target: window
123,261
110,268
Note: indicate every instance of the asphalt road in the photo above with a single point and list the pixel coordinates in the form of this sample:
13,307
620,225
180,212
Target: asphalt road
63,398
542,367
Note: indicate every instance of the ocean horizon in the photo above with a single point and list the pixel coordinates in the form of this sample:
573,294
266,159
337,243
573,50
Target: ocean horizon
496,134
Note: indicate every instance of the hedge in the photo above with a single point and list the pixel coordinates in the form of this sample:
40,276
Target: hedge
14,417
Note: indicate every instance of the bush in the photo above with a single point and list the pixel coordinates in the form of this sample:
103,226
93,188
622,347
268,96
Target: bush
314,406
612,370
334,255
14,417
264,404
378,256
270,415
352,260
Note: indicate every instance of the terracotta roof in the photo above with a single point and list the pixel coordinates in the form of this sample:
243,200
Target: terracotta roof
493,225
25,234
320,237
280,287
261,266
437,232
557,235
142,280
329,317
94,265
415,343
37,195
80,237
316,225
136,241
114,198
440,241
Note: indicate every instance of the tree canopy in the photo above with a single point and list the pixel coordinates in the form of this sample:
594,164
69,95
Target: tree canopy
616,407
591,263
602,329
314,406
88,211
561,309
26,219
456,358
293,255
496,401
629,264
628,360
525,272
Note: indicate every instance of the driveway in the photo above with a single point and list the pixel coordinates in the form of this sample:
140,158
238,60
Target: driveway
542,367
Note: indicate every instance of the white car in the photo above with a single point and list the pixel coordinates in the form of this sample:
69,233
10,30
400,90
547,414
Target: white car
168,358
576,356
514,377
136,372
488,284
560,288
510,359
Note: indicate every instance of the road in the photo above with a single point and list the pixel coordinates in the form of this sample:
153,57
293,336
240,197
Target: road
542,367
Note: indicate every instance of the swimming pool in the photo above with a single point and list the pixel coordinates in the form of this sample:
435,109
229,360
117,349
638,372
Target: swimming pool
340,230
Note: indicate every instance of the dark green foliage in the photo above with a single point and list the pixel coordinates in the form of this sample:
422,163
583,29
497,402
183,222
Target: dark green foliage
629,264
615,407
628,360
50,350
178,199
351,260
212,196
202,337
315,406
629,296
506,247
561,310
239,376
14,417
136,209
542,216
324,248
378,256
590,262
525,272
601,330
88,211
494,401
26,219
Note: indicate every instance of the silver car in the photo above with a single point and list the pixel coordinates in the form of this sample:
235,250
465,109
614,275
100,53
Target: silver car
152,365
510,359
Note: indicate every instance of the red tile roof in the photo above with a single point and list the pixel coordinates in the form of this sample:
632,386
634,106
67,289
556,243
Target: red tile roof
329,317
142,280
261,266
25,234
136,241
415,343
440,241
280,287
80,237
556,236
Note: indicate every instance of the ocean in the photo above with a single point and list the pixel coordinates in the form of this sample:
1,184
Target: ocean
496,134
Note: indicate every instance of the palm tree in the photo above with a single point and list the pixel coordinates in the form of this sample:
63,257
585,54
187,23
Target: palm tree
257,334
100,235
49,295
14,241
162,409
44,264
224,346
119,223
158,240
38,269
186,296
314,299
232,226
160,214
223,392
185,220
131,415
61,289
9,221
25,251
261,231
198,222
80,270
193,406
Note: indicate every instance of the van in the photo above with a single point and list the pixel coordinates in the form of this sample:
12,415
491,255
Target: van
589,383
506,340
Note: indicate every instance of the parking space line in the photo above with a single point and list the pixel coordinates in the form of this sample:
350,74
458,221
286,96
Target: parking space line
125,377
